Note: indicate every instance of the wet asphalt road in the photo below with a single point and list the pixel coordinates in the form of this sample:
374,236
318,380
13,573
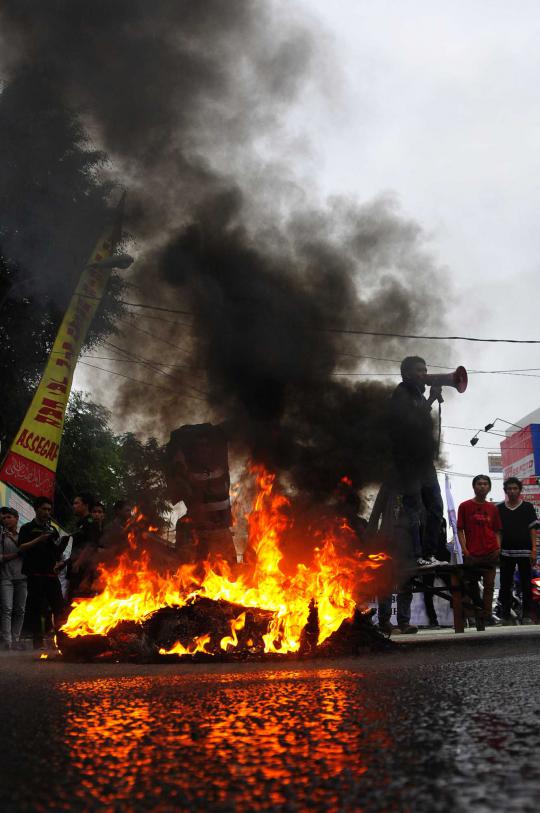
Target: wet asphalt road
432,727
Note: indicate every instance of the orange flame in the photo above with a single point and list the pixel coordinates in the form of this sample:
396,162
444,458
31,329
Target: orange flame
197,645
336,579
232,639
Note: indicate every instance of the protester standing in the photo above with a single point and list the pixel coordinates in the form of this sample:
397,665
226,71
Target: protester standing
479,530
42,551
519,523
123,510
98,515
87,531
13,587
85,542
414,450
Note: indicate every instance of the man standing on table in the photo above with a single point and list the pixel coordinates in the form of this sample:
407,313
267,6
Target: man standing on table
414,450
479,530
519,523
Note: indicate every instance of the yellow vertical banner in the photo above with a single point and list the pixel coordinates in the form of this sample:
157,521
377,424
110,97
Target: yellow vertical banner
32,458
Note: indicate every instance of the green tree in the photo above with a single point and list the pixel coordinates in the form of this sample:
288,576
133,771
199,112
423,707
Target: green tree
143,477
90,457
111,467
53,207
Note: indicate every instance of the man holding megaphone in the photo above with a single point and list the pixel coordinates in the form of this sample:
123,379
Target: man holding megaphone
414,449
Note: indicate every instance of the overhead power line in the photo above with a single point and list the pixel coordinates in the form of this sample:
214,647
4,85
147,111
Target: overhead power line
351,331
154,307
120,360
398,375
141,305
463,474
154,336
473,429
468,446
419,336
152,366
143,383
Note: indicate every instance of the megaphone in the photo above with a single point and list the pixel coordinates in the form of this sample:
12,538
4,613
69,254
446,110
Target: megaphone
458,379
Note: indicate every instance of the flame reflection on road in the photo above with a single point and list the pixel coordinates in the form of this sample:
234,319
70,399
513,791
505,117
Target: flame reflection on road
253,741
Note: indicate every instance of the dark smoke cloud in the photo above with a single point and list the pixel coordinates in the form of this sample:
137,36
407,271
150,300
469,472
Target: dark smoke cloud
173,91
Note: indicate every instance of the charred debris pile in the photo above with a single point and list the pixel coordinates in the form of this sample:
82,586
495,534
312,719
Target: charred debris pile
200,631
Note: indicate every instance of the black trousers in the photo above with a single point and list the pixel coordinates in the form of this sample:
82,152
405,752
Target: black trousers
429,581
44,592
508,565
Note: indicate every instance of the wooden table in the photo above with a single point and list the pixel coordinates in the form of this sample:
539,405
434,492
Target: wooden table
457,593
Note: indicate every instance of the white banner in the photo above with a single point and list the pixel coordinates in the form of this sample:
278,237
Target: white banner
457,555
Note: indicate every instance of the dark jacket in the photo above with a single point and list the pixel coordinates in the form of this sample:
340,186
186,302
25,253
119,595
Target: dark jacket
86,534
411,428
41,558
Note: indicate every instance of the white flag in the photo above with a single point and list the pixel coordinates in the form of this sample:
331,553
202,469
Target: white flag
457,555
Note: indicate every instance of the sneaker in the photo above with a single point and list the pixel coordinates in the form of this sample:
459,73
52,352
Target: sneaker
19,646
492,622
423,562
386,627
526,620
407,629
507,621
433,625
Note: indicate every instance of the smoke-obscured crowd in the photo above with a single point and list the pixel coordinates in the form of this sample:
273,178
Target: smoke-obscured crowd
42,571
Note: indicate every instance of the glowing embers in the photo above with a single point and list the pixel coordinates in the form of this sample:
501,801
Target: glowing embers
260,607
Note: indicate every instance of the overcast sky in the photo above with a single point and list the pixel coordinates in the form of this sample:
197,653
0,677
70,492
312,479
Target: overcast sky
438,105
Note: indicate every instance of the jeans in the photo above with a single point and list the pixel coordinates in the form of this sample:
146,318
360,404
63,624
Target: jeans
423,504
433,505
403,609
44,591
12,605
508,566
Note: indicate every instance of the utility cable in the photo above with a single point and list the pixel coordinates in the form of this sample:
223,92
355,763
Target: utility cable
351,331
462,474
143,383
151,365
153,336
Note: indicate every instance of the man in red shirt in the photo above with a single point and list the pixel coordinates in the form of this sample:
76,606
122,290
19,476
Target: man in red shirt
479,531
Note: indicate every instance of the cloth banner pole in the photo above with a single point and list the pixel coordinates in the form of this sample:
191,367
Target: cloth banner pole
31,461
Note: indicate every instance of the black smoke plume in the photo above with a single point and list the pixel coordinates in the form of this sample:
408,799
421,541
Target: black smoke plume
185,98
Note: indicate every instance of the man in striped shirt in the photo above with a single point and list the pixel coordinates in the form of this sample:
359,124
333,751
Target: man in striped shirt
518,549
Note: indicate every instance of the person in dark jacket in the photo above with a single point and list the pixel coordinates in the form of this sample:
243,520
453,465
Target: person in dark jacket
85,544
98,515
42,552
518,548
414,450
